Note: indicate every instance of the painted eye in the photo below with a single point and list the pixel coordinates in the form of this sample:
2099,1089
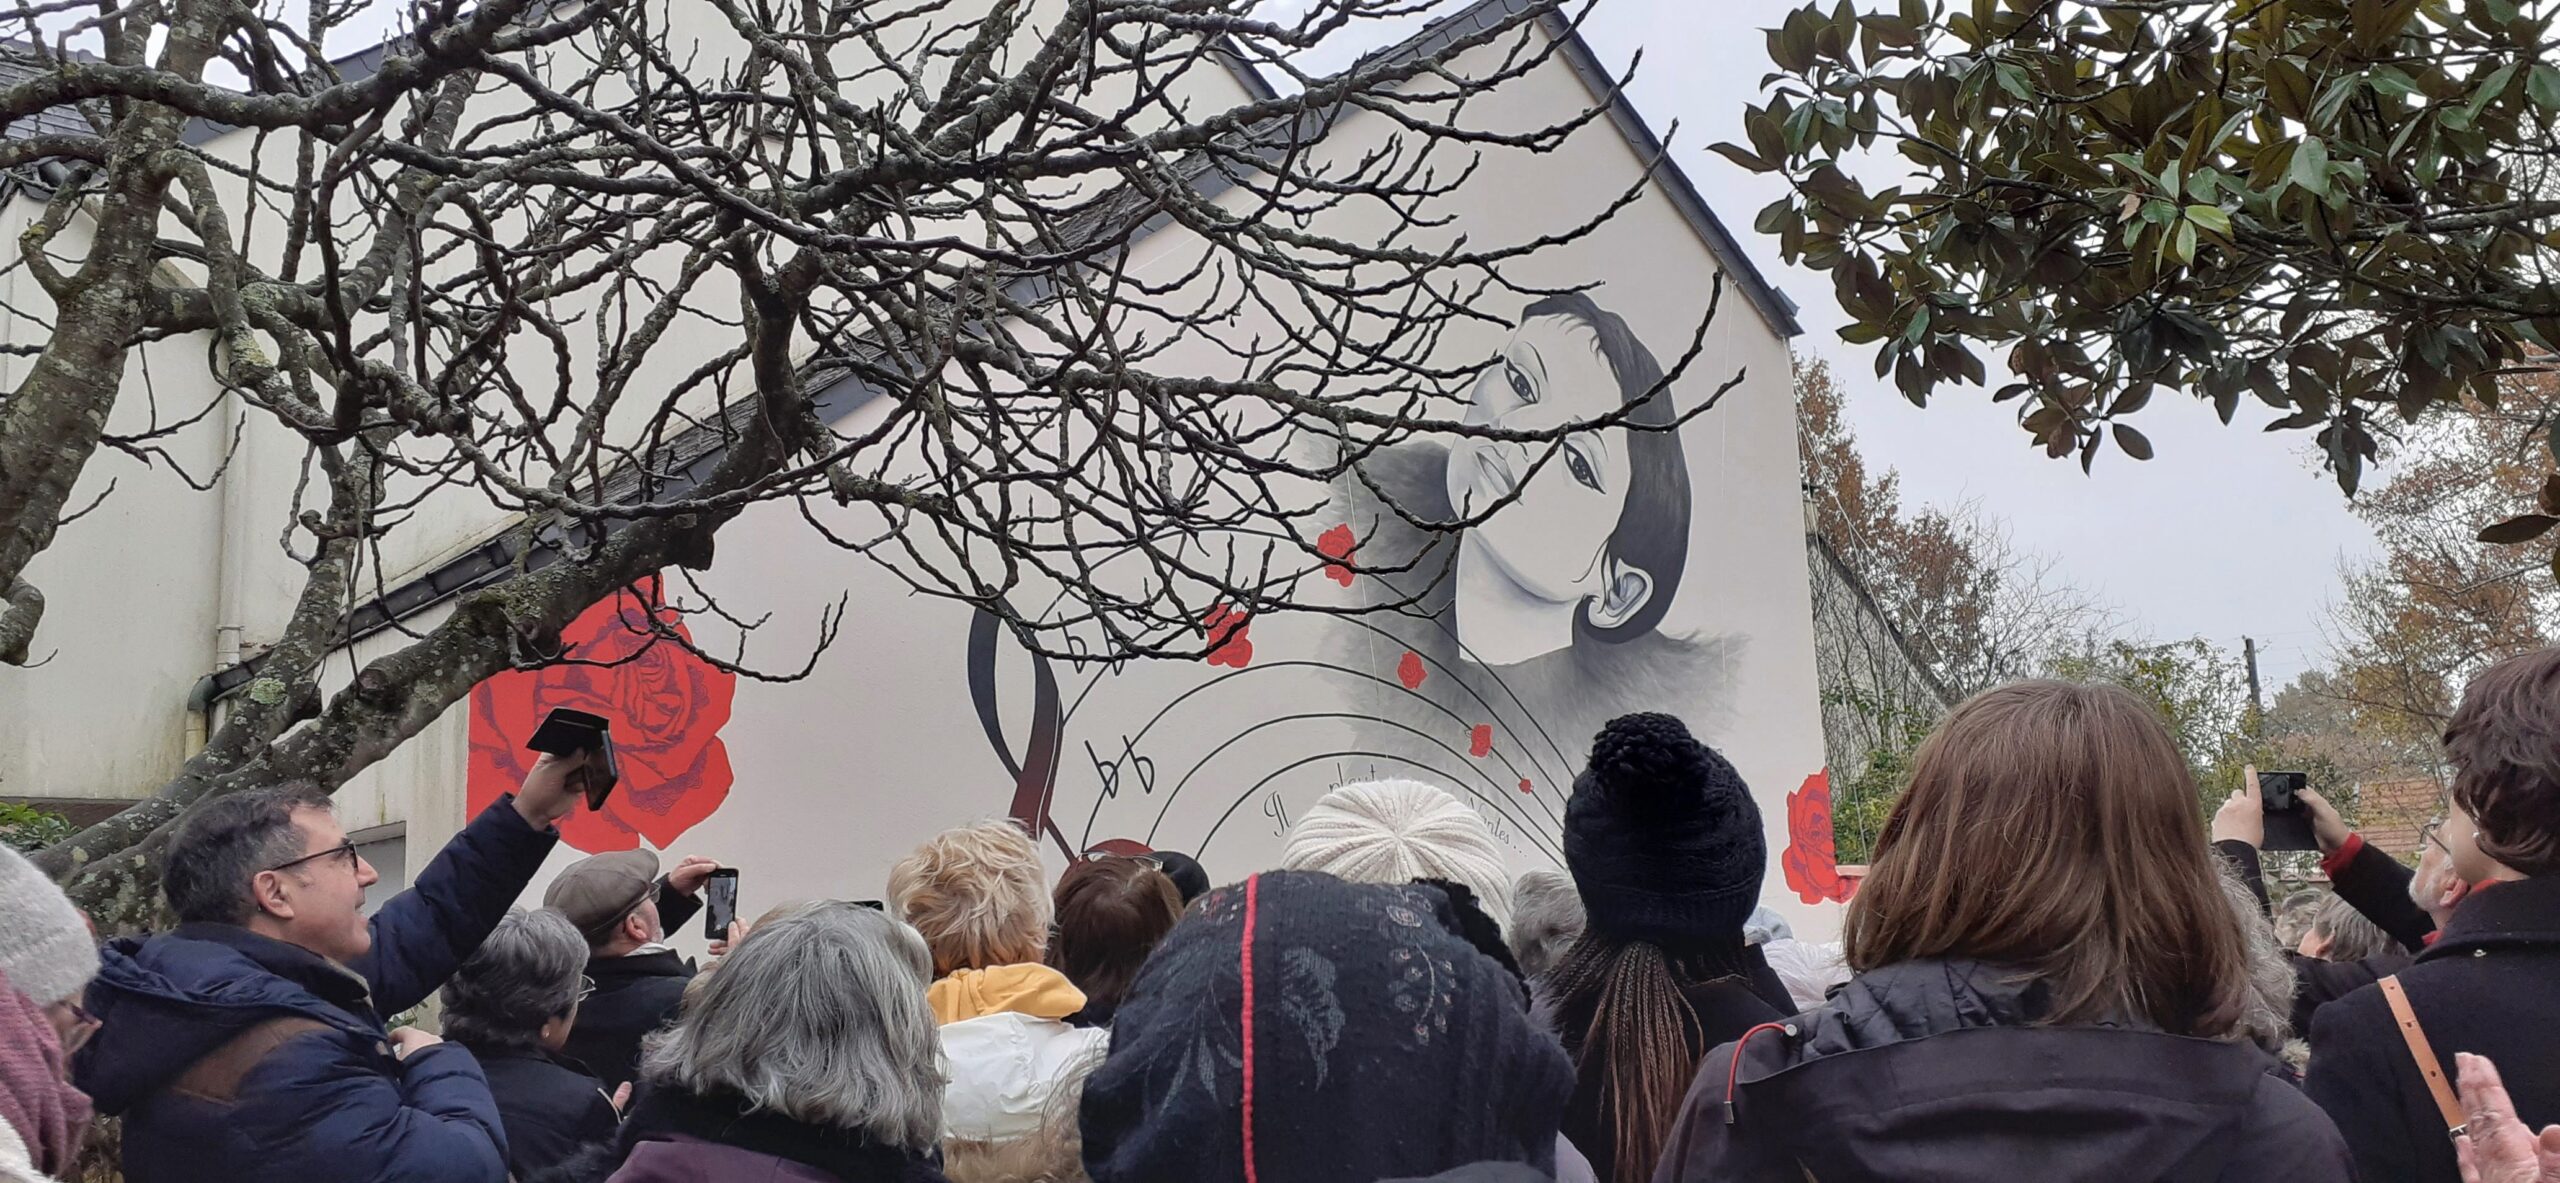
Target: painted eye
1520,387
1580,467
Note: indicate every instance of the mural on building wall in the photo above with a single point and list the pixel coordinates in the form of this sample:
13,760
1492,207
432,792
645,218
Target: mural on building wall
667,706
1518,638
1811,861
1516,641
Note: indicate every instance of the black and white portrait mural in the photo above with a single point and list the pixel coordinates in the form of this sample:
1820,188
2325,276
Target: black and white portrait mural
1654,563
1498,650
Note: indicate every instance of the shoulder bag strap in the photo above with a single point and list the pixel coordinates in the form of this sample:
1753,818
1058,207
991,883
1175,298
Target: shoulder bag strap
2424,1053
217,1076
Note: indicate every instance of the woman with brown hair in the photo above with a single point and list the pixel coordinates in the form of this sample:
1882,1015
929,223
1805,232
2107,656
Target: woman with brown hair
1111,912
2050,983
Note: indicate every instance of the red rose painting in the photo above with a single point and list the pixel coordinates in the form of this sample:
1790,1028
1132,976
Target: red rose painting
1410,672
1812,859
667,707
1230,636
1337,544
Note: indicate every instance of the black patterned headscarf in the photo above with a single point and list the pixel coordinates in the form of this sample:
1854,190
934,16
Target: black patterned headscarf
1295,1028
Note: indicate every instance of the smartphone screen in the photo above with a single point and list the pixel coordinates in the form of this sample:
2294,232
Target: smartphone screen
2277,790
720,902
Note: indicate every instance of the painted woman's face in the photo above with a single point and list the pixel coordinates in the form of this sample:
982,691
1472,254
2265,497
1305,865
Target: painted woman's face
1554,540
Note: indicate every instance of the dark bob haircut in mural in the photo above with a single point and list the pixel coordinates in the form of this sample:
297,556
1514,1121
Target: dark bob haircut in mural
1653,529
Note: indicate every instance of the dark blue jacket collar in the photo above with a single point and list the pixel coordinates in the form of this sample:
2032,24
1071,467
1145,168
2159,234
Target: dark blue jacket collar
333,983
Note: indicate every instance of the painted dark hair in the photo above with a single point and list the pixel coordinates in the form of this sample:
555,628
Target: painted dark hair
1653,529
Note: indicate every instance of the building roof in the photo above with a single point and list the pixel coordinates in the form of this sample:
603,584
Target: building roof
2389,813
20,61
692,454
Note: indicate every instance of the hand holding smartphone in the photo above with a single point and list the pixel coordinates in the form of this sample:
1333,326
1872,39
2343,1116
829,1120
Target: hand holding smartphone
719,902
2288,818
566,732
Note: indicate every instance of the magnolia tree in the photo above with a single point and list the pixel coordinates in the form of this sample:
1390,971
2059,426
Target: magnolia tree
2340,208
611,276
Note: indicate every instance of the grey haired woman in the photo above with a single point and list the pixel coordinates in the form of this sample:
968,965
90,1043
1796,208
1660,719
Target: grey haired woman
810,1057
512,1004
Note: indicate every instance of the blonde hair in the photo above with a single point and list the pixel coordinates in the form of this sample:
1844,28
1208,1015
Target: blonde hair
978,895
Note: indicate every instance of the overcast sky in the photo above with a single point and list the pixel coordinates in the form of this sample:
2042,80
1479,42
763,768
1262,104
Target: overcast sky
2227,532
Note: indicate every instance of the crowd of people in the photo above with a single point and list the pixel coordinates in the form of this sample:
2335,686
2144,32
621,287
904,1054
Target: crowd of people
2054,969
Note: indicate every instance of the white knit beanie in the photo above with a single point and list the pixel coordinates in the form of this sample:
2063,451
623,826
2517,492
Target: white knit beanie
45,946
1397,831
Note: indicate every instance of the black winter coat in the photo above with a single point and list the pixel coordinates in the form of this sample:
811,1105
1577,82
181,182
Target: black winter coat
1935,1070
551,1109
2376,885
2489,985
677,1135
1726,1008
634,996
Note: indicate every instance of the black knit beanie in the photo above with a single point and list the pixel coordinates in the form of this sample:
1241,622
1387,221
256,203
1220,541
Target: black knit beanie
1663,837
1376,1044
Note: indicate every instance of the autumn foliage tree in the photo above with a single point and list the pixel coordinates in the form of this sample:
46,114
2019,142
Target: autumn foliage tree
2440,602
1976,609
2342,209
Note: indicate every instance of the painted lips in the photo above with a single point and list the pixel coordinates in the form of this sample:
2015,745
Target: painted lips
1498,480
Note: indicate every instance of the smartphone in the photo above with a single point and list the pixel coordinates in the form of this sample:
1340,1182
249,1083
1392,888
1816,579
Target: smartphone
719,902
566,732
2288,819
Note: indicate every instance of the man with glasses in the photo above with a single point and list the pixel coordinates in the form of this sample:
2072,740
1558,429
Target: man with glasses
625,910
2488,982
2407,906
514,1005
251,1043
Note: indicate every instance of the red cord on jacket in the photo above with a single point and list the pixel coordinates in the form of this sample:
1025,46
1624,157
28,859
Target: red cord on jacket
1733,1071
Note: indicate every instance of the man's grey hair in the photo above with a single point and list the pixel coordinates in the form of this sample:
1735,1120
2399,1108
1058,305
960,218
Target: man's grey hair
524,975
1546,918
820,1016
224,843
2351,935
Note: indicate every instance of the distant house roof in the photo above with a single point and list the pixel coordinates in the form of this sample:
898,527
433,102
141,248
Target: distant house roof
2389,813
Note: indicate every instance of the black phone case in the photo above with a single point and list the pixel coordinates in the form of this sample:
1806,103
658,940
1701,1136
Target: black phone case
713,925
2290,830
602,772
565,731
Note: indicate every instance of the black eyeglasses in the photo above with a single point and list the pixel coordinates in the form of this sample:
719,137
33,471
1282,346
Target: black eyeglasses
2427,833
345,848
586,987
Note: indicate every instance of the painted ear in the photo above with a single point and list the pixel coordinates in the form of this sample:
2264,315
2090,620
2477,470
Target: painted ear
1629,589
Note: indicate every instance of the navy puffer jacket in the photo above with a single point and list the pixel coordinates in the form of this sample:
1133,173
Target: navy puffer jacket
328,1102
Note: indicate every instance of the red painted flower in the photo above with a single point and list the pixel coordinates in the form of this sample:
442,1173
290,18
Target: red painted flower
1480,741
1812,858
1526,786
1229,643
1337,544
667,707
1410,672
